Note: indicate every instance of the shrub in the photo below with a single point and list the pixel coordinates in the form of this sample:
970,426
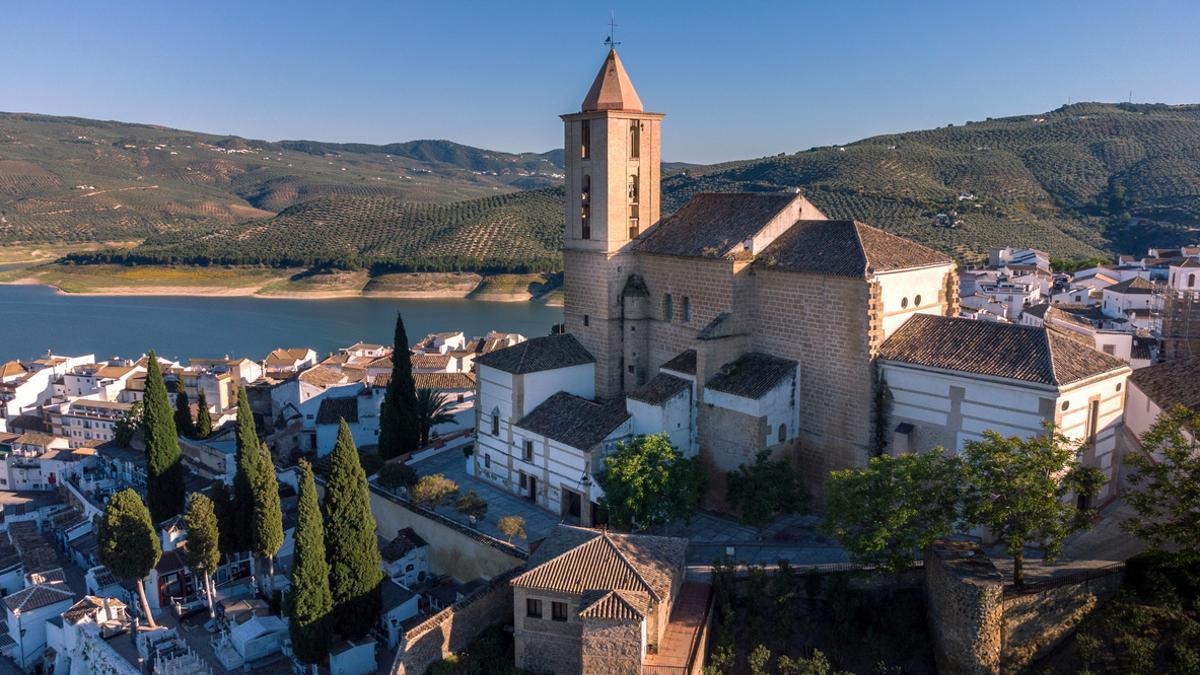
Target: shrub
430,491
472,505
393,475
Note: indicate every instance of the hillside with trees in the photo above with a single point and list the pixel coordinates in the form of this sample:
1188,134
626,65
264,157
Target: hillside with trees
1088,179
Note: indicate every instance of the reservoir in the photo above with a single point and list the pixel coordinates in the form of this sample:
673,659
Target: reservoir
34,319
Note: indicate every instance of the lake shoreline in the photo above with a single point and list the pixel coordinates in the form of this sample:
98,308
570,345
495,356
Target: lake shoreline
254,292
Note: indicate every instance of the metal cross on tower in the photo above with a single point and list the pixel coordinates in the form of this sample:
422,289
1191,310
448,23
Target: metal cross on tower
611,40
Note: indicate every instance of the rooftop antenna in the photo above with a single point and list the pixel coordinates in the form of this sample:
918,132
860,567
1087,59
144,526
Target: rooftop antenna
611,40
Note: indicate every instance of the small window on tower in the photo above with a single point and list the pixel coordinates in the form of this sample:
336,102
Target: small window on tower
635,139
687,309
586,320
585,139
668,307
585,209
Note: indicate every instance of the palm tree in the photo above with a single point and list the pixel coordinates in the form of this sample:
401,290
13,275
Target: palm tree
433,408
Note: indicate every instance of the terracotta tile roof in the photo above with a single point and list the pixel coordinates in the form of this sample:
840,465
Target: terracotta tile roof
575,560
844,248
573,421
611,89
1134,286
1171,384
406,540
88,606
439,361
35,438
11,369
1039,355
616,605
751,375
36,597
660,389
538,354
714,224
323,376
683,362
333,410
443,380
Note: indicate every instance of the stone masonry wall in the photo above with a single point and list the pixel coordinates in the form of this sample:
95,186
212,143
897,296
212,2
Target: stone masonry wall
454,628
964,602
1036,622
823,323
612,647
544,645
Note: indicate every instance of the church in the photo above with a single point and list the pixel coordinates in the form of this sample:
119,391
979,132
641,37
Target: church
741,322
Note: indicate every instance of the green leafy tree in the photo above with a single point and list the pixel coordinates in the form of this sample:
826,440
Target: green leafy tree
433,408
763,489
512,526
1018,489
650,483
128,425
183,412
351,545
203,541
128,543
472,504
399,429
266,537
310,602
394,475
245,468
817,664
227,522
432,490
204,427
164,467
894,507
1165,493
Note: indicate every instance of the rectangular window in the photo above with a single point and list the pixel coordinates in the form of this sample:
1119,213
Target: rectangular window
558,611
585,139
668,307
687,309
533,608
1110,349
528,450
487,461
524,480
586,320
495,424
585,208
635,139
1093,421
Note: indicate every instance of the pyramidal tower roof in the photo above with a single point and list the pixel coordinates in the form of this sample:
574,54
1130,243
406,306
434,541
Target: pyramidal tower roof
612,89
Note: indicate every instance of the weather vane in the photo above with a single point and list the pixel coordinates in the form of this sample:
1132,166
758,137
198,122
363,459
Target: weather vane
611,40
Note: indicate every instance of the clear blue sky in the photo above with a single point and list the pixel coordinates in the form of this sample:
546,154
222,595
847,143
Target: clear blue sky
736,79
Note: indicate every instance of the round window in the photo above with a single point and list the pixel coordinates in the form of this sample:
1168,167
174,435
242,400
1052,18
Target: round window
917,301
1118,386
904,303
1066,404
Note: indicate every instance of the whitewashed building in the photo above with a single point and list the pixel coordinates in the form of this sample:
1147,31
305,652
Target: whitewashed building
952,379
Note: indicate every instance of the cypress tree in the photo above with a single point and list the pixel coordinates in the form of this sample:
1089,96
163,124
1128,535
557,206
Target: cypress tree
351,546
203,418
309,603
164,470
267,527
203,547
399,430
227,524
246,463
128,542
183,411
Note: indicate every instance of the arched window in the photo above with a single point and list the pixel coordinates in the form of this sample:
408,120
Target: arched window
585,139
668,307
782,432
687,309
635,139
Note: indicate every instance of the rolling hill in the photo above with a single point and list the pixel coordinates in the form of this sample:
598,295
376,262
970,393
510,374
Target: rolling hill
69,179
1084,180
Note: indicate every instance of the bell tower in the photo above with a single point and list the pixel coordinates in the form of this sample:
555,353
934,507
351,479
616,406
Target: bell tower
613,187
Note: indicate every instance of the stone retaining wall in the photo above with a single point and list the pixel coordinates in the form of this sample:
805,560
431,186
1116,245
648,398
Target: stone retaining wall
453,629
